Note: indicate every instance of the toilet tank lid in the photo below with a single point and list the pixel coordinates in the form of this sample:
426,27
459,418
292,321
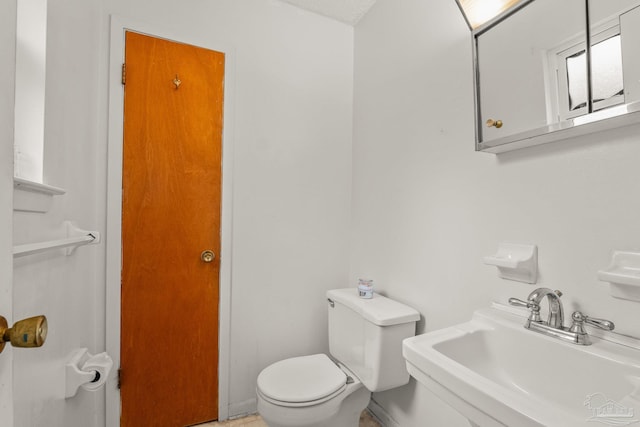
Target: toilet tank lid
378,310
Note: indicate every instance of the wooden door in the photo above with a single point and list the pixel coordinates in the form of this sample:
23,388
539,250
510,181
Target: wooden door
170,215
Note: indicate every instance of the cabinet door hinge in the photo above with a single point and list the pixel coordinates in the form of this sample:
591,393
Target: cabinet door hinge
124,73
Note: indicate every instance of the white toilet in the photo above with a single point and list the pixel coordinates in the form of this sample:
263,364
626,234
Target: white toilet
365,340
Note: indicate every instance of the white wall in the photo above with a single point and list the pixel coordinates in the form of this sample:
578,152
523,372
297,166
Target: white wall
65,289
292,94
427,208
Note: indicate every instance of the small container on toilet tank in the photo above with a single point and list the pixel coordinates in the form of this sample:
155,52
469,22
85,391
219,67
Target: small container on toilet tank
365,288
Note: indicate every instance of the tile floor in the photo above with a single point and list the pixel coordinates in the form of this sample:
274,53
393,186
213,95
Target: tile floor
366,420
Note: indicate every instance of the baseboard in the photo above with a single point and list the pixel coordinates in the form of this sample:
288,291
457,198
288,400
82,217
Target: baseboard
381,415
240,409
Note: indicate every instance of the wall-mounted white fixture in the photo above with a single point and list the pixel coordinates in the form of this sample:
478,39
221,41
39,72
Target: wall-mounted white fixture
29,196
86,370
516,262
623,275
75,237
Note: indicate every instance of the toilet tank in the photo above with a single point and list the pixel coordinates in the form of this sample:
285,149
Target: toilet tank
366,336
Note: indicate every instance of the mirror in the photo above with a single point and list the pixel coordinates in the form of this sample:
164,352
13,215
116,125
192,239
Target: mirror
516,66
537,82
615,33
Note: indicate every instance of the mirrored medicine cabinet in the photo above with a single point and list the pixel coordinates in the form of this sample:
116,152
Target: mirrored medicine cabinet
547,70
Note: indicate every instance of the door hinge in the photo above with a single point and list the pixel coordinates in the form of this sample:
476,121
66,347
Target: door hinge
124,73
119,377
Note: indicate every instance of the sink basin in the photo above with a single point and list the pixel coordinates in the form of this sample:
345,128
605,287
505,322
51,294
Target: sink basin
497,373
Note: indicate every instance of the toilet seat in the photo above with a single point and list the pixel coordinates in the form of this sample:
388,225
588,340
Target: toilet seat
302,381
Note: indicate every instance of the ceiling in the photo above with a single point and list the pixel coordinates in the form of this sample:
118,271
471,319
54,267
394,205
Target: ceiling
348,11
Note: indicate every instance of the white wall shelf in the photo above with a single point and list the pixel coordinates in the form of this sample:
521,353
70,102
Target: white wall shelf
516,262
29,196
623,275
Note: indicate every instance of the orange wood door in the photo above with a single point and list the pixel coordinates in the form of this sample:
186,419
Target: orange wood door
170,215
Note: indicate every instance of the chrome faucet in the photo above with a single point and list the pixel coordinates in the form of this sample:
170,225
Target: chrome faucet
556,312
554,326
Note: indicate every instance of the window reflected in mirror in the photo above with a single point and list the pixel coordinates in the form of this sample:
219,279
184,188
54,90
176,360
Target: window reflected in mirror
606,75
577,80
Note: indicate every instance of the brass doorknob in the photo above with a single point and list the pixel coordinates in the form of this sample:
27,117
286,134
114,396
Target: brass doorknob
494,123
207,256
31,332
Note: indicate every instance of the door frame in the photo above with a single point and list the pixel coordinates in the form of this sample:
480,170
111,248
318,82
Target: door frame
7,106
119,25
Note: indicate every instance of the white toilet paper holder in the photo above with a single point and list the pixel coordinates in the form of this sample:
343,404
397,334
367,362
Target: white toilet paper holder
86,370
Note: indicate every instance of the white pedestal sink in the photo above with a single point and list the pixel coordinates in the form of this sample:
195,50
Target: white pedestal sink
497,373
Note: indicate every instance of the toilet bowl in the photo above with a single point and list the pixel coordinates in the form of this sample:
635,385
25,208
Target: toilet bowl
365,342
310,391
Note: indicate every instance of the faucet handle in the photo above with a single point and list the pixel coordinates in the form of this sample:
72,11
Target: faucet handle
607,325
531,305
579,319
526,304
